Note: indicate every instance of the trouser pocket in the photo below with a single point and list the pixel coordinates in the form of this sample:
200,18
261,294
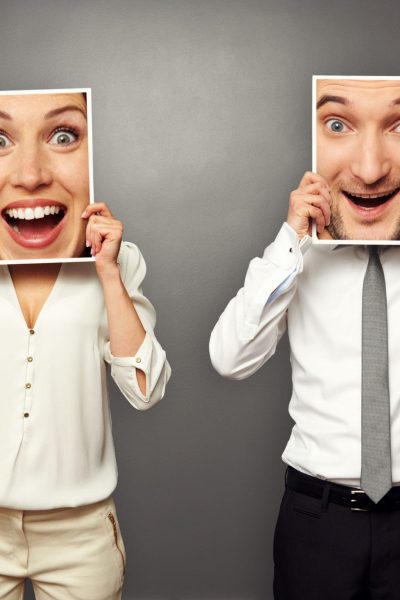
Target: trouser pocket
117,539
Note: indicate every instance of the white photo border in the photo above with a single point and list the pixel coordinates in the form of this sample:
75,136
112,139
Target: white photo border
88,92
315,78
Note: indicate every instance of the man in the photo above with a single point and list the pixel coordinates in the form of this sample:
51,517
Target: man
338,530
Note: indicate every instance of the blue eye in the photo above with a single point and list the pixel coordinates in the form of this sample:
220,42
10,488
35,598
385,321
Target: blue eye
336,126
63,137
4,141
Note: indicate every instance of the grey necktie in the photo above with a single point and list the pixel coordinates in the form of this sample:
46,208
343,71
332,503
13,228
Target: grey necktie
376,472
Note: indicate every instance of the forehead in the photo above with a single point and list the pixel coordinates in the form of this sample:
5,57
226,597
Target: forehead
40,104
356,91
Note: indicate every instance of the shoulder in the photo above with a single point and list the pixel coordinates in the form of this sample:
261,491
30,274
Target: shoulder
131,262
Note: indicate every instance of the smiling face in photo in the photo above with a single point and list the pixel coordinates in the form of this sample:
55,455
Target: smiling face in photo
44,175
358,154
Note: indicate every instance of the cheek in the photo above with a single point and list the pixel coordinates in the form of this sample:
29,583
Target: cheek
6,168
333,159
72,174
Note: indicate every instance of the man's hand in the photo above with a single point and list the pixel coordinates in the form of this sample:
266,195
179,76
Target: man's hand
311,200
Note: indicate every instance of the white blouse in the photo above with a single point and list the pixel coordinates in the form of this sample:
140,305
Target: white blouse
56,447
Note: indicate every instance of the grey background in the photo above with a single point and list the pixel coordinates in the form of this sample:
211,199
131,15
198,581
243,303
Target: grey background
202,127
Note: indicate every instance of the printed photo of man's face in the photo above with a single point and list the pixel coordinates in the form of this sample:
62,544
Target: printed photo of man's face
358,154
44,175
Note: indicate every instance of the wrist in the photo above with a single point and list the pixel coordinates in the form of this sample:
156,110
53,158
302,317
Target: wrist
109,272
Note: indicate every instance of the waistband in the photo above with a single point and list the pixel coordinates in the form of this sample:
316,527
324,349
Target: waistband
352,498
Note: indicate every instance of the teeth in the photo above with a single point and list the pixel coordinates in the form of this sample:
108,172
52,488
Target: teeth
37,213
371,196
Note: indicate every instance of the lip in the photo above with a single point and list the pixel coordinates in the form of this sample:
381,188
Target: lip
372,213
39,241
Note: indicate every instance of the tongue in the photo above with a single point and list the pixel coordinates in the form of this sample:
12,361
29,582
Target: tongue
37,228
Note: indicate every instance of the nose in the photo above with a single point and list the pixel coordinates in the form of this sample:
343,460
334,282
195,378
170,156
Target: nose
371,160
30,169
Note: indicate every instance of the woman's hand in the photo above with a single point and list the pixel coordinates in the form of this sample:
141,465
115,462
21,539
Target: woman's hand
103,235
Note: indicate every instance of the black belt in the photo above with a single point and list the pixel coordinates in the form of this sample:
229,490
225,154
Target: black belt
353,498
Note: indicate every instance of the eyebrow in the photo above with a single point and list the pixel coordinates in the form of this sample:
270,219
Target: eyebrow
345,101
54,113
57,111
338,99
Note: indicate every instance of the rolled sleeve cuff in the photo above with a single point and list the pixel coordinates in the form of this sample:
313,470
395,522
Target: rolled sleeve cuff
141,359
123,369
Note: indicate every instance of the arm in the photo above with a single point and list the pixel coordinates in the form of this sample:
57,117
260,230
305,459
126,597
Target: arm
138,363
248,331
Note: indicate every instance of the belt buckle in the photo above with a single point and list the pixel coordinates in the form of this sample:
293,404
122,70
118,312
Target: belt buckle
352,500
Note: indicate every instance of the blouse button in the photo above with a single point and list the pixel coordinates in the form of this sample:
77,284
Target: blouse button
28,386
30,359
31,331
138,360
26,415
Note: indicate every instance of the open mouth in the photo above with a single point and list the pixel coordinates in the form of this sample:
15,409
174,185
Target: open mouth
34,223
371,201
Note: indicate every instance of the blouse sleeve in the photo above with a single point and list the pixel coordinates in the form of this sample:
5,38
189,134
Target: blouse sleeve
150,357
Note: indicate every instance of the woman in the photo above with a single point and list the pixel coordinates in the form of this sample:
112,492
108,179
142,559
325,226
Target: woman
59,325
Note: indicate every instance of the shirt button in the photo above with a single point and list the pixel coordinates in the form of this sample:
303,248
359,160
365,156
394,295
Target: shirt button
138,360
31,331
290,249
26,415
30,359
28,386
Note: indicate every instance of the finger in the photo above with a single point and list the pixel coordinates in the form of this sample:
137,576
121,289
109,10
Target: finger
96,208
95,240
106,227
323,204
98,240
303,202
315,188
310,177
319,218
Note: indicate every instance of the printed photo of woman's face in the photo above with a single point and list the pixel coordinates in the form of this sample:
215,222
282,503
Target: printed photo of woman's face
44,175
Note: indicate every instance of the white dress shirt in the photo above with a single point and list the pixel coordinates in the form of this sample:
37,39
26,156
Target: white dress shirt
316,292
56,447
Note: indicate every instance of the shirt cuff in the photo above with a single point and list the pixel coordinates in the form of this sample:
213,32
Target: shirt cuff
287,250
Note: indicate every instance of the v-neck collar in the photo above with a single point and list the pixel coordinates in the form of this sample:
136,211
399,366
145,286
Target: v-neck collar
15,300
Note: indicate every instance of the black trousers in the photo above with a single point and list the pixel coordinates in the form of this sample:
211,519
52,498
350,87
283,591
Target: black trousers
324,551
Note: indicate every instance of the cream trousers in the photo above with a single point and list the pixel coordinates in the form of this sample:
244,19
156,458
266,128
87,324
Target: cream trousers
69,554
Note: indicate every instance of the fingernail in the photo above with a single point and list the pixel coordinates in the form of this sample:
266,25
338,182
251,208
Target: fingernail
83,214
87,243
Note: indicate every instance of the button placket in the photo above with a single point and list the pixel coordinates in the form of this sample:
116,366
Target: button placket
29,374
